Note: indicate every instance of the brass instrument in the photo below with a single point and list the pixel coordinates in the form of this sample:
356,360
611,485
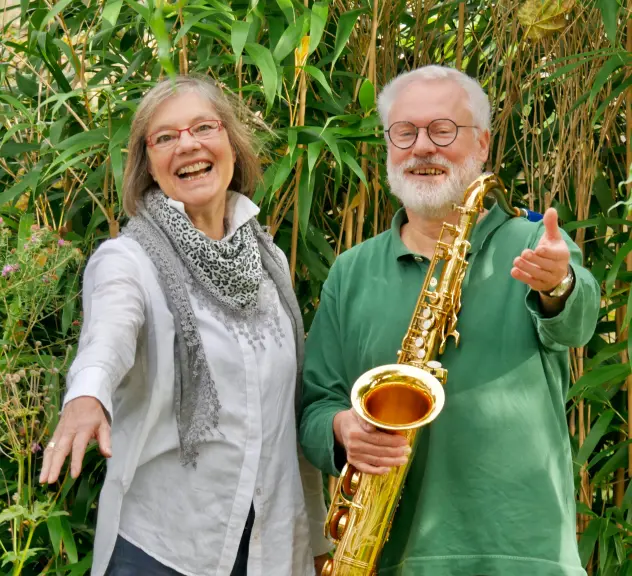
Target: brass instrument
403,397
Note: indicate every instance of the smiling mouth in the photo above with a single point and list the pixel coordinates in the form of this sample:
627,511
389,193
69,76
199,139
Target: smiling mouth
427,172
194,171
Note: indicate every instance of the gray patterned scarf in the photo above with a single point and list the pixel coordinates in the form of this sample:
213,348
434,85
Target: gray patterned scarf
228,270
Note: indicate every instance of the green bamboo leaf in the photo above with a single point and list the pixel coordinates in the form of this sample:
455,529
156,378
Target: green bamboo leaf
318,21
285,166
313,152
616,461
288,9
191,20
330,139
264,61
111,12
619,260
588,540
346,24
54,11
351,162
597,378
14,130
139,9
68,539
366,96
17,104
318,75
609,66
609,14
157,25
238,37
613,95
290,39
28,182
593,438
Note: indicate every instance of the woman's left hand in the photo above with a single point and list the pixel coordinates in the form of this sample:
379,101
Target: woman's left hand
319,562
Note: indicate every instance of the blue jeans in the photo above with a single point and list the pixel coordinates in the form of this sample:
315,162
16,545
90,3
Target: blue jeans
129,560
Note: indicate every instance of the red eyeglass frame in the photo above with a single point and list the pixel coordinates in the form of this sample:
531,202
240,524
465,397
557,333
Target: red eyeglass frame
219,124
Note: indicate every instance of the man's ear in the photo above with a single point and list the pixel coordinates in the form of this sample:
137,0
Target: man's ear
483,145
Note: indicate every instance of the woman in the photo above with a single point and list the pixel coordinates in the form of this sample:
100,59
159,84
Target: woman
191,346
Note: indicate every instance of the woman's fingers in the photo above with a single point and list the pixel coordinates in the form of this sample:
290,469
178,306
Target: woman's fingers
55,455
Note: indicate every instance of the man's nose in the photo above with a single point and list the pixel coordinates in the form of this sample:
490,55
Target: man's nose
423,145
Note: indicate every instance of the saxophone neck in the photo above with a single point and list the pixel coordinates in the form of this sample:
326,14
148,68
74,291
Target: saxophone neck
486,184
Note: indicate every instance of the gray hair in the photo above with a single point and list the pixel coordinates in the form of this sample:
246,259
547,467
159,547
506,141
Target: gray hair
478,103
137,179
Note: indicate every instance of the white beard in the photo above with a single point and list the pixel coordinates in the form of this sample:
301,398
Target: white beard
430,200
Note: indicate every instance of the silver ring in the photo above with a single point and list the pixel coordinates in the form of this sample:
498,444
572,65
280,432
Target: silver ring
50,445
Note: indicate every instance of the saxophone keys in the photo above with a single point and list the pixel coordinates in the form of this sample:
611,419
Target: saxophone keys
433,282
419,342
421,353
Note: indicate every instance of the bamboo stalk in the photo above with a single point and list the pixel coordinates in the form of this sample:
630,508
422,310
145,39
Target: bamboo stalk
460,37
362,191
302,98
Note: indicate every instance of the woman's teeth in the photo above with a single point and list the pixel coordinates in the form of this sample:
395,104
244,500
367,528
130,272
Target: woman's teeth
194,171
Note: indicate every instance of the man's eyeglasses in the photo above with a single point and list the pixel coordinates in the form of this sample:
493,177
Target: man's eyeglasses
442,132
168,138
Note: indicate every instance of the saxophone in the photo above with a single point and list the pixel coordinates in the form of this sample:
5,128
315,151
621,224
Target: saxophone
401,398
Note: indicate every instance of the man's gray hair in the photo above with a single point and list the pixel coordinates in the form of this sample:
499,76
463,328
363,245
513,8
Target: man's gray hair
478,103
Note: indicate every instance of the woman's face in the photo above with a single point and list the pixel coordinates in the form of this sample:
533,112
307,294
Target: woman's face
195,171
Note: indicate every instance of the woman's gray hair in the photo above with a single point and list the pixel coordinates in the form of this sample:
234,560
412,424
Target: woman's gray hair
137,179
478,103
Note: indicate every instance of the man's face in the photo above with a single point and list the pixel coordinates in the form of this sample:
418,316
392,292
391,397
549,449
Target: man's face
427,177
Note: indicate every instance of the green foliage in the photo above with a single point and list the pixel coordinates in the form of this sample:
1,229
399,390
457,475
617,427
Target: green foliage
71,76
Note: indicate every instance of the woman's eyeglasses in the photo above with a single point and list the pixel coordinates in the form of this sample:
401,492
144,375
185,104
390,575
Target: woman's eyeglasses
168,138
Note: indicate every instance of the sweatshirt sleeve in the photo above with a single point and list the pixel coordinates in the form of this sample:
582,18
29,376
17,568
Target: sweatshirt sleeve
575,324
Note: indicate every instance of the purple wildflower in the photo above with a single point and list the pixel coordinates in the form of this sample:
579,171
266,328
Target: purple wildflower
9,268
35,447
61,242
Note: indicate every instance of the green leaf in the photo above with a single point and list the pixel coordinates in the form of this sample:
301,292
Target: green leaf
157,25
609,14
319,77
619,260
238,37
111,12
290,39
366,96
288,9
355,167
286,166
346,23
140,9
317,24
593,438
589,539
28,182
604,74
54,11
68,539
265,62
597,378
313,152
55,533
330,139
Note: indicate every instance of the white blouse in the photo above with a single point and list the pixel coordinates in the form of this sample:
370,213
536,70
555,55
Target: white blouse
192,519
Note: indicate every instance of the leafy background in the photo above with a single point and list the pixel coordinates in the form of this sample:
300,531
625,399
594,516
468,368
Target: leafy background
71,75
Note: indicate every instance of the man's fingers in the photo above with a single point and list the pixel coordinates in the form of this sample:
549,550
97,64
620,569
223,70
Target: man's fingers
368,469
552,230
104,439
540,260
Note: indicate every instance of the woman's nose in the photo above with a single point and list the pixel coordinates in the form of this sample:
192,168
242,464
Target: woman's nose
186,142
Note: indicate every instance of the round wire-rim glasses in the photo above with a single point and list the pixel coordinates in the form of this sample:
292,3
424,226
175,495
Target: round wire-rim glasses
441,132
202,130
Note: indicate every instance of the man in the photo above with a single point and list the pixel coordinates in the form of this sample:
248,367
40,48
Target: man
490,489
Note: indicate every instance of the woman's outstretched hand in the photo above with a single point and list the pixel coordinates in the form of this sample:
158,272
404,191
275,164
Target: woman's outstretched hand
82,420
